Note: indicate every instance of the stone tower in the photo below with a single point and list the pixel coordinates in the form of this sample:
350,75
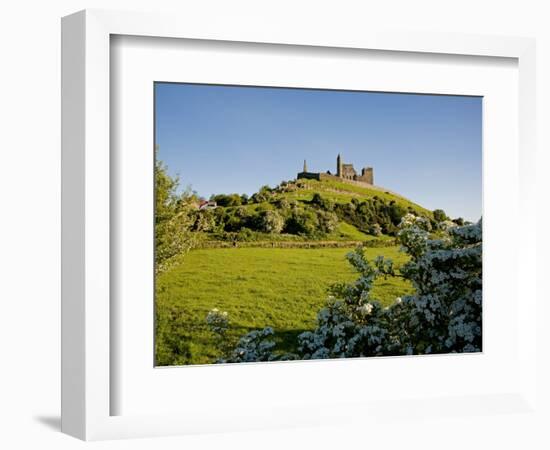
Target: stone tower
338,166
305,166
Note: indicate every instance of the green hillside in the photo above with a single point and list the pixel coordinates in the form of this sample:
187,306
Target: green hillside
307,210
342,192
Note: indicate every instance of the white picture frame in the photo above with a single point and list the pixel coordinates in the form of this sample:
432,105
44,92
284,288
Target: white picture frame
88,386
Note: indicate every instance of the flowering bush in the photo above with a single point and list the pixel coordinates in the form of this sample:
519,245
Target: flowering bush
254,346
217,321
442,316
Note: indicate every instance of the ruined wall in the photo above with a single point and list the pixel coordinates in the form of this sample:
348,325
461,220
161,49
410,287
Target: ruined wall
348,174
309,176
348,171
367,176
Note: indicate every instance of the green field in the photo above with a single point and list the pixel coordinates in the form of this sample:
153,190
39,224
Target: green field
281,287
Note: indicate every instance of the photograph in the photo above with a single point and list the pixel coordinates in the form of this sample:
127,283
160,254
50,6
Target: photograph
300,224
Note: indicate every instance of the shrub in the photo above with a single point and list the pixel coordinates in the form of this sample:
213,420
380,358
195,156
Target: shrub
271,222
321,202
328,221
205,221
263,195
217,321
227,200
282,203
233,222
364,214
302,222
439,215
375,230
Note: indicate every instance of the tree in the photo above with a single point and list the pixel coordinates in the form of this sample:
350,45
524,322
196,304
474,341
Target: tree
322,202
271,221
396,212
227,200
459,221
174,218
439,215
328,221
302,222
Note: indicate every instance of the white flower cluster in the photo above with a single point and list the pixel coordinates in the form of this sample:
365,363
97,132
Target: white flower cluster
410,220
365,309
446,225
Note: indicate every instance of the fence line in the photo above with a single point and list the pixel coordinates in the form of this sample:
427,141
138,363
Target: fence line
375,243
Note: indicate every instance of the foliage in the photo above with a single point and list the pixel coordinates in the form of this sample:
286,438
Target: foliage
321,202
254,346
271,221
370,212
227,200
303,222
174,219
217,321
263,195
205,221
375,229
442,316
312,209
459,221
439,215
341,192
328,221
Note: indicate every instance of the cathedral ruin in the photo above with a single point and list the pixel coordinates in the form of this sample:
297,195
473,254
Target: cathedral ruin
344,172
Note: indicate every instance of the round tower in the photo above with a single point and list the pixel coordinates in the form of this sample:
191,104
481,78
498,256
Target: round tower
339,166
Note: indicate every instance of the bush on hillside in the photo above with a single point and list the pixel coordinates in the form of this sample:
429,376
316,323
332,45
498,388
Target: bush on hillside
439,215
270,222
227,199
364,214
263,195
328,221
302,222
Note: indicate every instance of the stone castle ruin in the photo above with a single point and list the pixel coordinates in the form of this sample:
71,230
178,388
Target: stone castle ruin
344,172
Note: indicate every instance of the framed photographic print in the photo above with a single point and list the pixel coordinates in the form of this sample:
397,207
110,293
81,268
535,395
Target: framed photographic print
265,258
258,224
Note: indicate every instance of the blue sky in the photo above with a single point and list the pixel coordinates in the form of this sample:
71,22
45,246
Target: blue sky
225,139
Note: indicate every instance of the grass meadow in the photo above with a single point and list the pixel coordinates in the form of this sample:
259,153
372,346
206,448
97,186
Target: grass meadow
283,288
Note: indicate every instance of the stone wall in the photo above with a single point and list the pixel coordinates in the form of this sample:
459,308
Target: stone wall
363,180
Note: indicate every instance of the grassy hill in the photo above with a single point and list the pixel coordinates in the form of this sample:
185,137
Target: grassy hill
310,210
342,192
